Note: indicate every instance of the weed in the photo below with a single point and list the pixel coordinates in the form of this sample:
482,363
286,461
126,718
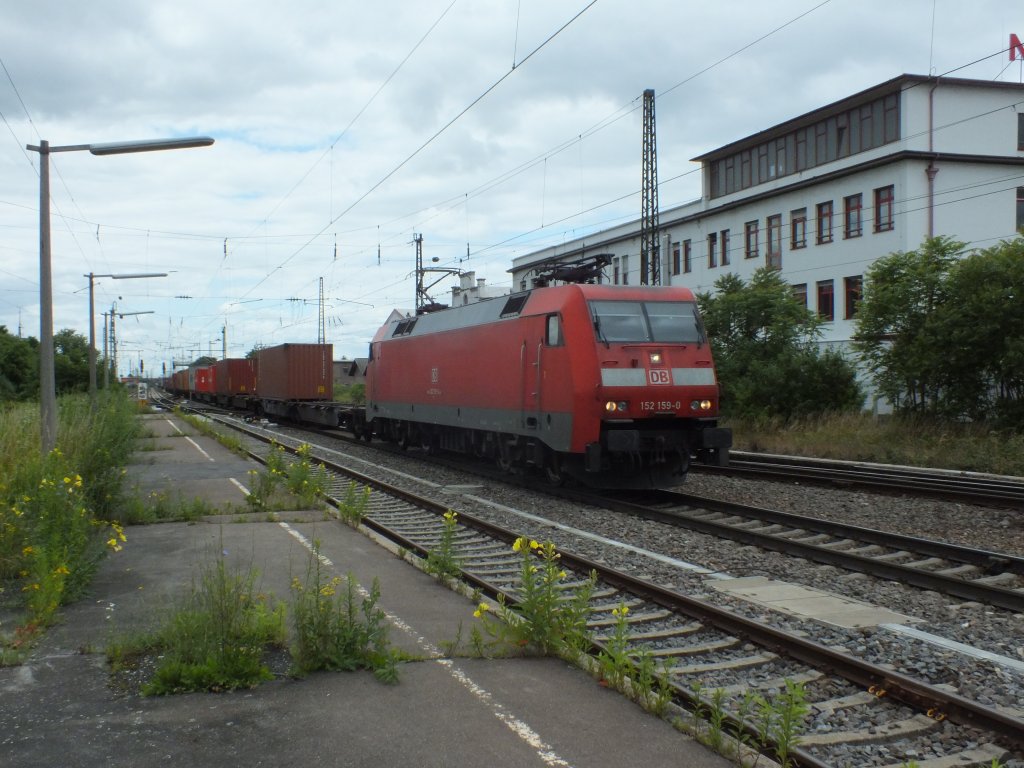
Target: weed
546,617
353,507
614,660
216,641
337,631
306,480
442,561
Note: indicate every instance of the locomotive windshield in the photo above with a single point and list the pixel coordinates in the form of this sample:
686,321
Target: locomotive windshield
670,322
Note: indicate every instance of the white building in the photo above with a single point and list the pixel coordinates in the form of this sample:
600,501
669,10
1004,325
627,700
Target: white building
823,195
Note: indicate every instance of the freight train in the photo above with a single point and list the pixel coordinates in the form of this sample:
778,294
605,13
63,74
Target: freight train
612,385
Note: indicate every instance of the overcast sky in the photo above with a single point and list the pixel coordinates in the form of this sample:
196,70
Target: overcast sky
493,128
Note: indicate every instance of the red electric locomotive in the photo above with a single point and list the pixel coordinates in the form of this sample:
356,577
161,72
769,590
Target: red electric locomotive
614,385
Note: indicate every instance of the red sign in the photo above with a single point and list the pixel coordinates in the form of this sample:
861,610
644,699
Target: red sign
1015,47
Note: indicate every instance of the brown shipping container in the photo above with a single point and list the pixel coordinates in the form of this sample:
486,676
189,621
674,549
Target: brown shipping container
295,372
235,376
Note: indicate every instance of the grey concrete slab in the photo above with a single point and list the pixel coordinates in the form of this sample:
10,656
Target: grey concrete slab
59,709
806,602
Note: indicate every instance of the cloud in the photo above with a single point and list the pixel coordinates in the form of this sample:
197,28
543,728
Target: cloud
324,167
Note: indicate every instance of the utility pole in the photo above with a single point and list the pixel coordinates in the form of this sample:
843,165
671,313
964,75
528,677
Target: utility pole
423,301
321,336
650,247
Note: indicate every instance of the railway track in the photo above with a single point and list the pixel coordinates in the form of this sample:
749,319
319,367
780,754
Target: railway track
722,649
962,572
968,487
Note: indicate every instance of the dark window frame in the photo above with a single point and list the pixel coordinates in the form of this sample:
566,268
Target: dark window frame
825,213
751,239
798,229
885,198
853,216
853,290
773,237
826,300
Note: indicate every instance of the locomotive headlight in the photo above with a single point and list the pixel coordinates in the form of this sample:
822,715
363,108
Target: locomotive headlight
619,406
655,358
700,405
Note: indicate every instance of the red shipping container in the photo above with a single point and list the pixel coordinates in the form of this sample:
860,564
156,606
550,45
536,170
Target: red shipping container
235,376
205,379
295,372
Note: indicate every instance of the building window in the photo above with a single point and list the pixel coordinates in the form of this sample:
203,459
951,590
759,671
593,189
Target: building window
883,209
854,287
712,250
751,249
676,258
798,228
800,294
615,271
826,300
824,222
725,247
687,262
1020,209
1020,131
625,270
852,206
774,245
857,129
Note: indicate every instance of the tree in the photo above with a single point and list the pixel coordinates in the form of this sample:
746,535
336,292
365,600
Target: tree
899,332
71,361
19,367
982,333
768,361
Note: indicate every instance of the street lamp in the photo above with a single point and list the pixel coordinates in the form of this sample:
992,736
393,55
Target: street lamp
92,324
47,382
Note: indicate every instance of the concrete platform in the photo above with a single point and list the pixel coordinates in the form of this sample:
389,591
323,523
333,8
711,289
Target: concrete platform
59,709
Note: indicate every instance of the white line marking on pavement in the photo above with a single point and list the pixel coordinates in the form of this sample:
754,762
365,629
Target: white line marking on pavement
193,442
240,487
517,726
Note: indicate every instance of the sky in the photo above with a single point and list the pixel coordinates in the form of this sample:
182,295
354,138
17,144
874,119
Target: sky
344,129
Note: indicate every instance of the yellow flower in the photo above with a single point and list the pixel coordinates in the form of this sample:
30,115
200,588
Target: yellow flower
534,545
481,610
27,551
518,544
61,570
67,480
562,574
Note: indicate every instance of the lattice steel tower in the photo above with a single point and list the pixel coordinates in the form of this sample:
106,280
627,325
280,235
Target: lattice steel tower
650,250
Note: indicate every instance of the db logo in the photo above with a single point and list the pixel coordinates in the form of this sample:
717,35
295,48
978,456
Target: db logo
433,376
659,377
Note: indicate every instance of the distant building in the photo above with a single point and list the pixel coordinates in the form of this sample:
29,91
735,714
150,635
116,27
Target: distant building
471,289
822,196
348,372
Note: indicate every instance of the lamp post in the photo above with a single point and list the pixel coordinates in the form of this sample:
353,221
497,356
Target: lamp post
47,382
92,324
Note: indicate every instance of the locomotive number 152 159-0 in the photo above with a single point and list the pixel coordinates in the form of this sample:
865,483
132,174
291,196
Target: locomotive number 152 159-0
660,405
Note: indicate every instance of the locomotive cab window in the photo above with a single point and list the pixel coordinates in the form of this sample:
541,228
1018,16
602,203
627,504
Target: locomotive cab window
554,331
652,321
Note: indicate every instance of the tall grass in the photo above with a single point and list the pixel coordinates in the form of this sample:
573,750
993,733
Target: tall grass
54,508
914,441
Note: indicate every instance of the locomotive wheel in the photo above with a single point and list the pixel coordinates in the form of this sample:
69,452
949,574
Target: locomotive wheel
504,456
553,469
403,437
